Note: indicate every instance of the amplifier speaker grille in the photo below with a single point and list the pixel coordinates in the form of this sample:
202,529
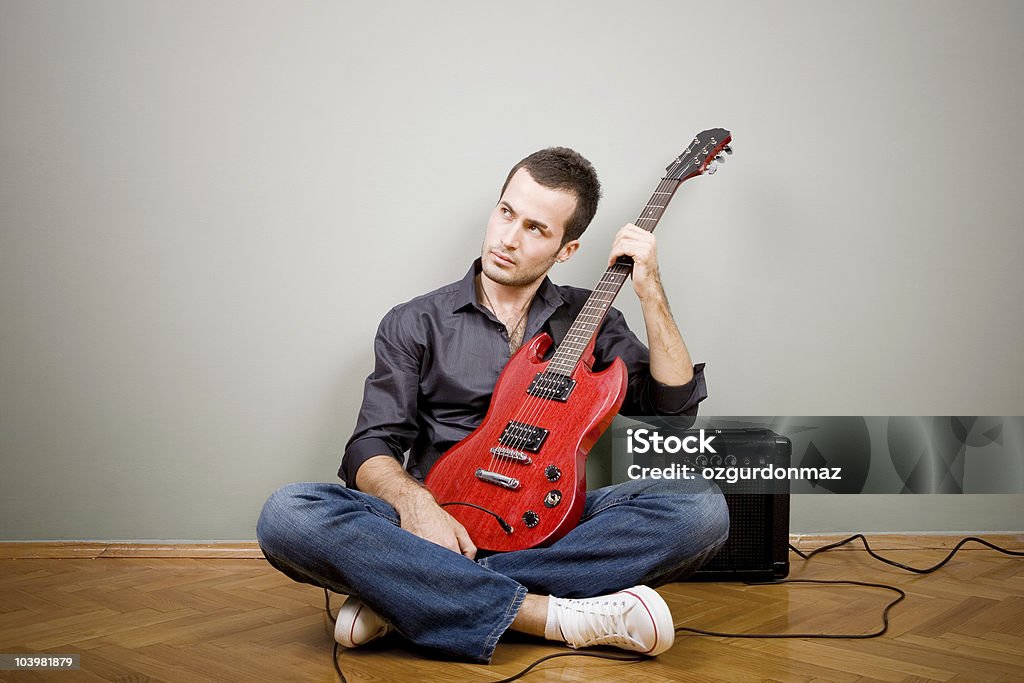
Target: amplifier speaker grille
758,545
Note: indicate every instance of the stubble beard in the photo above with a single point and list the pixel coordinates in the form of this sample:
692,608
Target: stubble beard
516,277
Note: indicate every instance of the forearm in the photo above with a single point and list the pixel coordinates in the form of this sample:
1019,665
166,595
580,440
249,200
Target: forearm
670,359
670,362
383,477
418,512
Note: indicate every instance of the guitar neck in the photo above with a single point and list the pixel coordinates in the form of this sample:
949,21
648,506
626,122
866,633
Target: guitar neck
588,322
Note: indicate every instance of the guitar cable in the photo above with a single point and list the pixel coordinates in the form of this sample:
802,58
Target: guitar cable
901,595
505,526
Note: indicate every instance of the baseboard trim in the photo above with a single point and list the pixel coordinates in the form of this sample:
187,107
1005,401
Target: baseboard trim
250,550
98,549
904,541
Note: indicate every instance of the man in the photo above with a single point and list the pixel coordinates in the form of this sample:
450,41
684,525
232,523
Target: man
404,561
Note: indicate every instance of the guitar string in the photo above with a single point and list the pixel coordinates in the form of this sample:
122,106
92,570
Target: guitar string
614,278
533,407
536,408
618,273
530,410
596,306
591,315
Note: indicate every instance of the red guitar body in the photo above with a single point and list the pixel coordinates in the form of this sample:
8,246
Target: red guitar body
519,480
550,489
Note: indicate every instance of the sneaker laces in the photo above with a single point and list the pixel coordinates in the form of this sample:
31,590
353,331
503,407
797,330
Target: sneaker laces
597,621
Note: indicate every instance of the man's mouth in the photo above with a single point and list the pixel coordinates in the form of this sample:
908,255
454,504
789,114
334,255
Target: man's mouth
503,258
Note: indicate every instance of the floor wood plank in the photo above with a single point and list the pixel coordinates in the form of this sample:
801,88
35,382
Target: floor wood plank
148,614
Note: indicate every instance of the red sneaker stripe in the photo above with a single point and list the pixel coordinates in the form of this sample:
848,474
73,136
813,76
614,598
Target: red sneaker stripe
653,621
352,629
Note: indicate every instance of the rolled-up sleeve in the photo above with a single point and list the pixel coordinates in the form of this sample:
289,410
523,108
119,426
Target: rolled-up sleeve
387,422
645,395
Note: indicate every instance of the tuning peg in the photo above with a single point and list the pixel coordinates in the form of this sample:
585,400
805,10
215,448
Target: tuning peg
727,149
711,169
720,159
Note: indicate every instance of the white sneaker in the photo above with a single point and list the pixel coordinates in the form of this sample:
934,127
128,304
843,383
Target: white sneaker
636,619
357,624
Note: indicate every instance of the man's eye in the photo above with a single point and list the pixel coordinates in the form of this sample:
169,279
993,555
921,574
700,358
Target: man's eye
505,212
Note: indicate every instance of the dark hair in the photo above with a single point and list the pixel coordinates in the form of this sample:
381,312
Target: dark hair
560,168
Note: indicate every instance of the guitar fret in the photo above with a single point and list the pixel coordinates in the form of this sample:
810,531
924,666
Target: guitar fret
594,310
464,477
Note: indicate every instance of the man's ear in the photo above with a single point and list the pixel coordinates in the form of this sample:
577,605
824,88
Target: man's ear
567,250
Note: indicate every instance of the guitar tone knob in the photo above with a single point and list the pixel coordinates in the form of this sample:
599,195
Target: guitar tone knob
552,473
531,518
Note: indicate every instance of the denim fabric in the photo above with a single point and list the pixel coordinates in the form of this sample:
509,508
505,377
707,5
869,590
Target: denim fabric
639,532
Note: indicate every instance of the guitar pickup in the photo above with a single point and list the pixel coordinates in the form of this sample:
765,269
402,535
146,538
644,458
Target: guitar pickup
523,437
553,386
511,454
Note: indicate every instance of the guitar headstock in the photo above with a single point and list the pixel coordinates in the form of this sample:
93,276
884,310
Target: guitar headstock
702,156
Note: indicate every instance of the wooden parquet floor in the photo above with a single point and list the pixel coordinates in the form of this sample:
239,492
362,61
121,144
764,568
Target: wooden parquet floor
147,615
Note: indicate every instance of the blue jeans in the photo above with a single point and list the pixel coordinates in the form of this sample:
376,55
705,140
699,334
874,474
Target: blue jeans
639,532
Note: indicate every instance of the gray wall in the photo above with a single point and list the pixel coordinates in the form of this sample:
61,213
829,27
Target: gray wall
207,206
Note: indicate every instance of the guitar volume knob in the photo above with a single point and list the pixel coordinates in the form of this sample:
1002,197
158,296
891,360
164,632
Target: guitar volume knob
531,519
552,473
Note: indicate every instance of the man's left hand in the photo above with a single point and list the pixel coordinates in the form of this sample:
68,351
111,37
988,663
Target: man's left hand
641,246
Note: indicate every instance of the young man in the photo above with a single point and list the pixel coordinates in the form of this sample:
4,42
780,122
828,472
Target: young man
404,561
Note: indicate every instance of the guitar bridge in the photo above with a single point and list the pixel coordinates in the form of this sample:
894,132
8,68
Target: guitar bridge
511,454
497,479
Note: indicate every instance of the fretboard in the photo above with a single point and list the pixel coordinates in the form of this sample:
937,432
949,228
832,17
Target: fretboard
588,322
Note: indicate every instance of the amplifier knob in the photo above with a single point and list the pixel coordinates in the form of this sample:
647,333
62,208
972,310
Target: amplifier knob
730,460
531,518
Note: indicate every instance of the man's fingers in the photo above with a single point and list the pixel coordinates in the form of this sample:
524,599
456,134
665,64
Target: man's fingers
632,241
448,539
436,525
468,548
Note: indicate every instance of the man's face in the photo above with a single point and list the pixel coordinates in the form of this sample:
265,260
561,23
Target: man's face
524,232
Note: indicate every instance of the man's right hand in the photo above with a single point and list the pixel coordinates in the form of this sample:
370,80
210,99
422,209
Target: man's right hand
418,512
428,520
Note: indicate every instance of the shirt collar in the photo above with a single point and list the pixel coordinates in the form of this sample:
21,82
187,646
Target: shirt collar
465,294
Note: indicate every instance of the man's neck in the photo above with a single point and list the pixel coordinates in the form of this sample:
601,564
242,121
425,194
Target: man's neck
508,298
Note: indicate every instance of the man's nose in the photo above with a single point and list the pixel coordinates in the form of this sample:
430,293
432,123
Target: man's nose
510,235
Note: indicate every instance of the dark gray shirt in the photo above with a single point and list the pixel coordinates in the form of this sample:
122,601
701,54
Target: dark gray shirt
438,358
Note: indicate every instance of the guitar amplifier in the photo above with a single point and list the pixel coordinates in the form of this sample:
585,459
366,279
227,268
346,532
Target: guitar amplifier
758,544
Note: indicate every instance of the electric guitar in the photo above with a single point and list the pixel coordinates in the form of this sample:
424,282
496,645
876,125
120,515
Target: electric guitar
519,479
